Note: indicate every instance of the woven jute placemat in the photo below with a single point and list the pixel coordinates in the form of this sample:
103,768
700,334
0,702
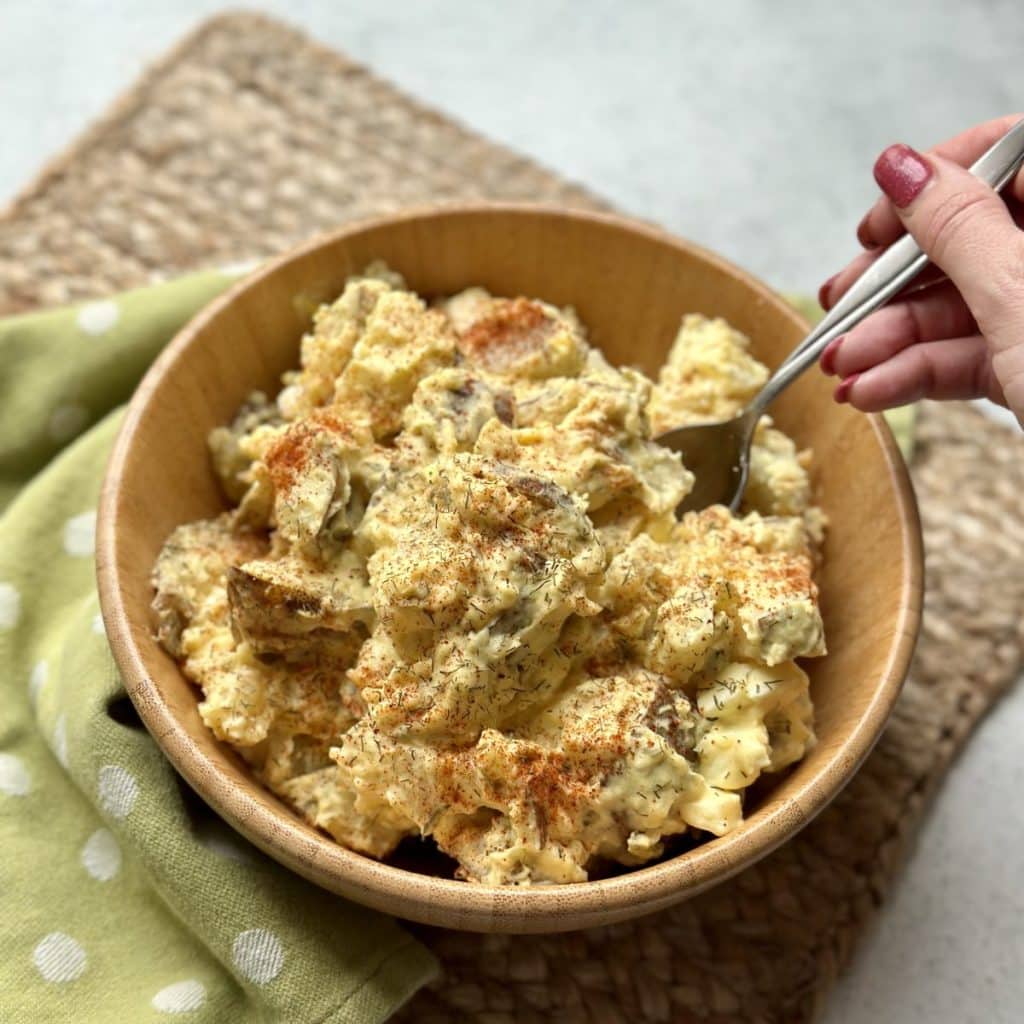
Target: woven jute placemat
249,137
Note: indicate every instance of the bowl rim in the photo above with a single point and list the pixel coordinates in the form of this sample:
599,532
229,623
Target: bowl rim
452,903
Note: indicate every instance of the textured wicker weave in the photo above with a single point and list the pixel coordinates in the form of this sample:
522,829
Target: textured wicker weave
249,137
246,139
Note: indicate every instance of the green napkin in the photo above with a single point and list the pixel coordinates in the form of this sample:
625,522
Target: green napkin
125,898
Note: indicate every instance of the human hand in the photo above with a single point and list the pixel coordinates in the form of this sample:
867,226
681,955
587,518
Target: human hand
960,333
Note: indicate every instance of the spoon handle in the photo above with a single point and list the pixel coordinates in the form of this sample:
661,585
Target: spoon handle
887,275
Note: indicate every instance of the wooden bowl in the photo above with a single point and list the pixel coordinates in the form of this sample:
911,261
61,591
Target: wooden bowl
630,284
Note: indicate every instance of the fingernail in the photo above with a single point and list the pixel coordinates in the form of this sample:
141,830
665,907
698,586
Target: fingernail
828,357
824,290
864,234
901,173
842,393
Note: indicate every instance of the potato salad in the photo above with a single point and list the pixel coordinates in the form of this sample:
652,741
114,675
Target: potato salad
452,598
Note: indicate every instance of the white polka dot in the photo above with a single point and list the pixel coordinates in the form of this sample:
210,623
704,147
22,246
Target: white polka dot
118,791
37,681
59,958
97,625
239,268
98,317
229,849
101,856
222,840
10,606
60,740
80,535
181,997
258,955
14,780
67,421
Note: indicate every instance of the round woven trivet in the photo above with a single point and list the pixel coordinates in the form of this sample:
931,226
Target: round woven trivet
249,137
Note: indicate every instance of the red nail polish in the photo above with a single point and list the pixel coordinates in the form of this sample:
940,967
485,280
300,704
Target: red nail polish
901,173
842,393
828,357
824,290
864,235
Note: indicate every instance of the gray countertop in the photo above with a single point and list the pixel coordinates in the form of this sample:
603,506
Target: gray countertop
749,127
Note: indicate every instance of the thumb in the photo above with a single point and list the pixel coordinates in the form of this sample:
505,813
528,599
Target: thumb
966,229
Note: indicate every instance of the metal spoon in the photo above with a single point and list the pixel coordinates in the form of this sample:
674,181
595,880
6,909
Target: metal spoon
718,454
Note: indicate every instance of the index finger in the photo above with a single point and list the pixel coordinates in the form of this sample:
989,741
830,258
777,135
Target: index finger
881,226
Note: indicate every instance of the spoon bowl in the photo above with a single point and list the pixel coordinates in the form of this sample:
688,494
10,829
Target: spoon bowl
718,455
